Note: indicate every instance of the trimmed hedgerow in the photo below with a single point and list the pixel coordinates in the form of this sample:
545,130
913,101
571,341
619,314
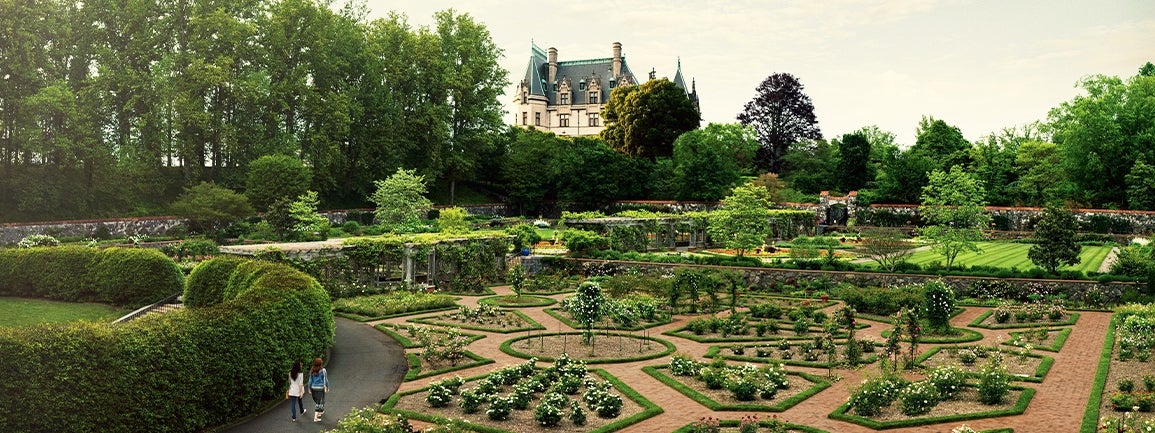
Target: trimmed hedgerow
206,283
120,276
177,372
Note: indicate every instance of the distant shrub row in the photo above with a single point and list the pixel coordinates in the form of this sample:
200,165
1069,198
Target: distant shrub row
129,277
181,371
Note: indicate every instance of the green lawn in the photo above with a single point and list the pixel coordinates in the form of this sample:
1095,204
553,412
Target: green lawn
24,312
1008,255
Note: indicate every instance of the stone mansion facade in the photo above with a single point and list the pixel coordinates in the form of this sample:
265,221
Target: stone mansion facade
567,97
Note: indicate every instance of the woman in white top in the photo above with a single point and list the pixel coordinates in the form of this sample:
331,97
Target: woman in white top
296,390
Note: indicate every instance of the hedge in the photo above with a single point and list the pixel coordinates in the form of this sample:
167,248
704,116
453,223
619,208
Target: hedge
181,371
127,277
207,281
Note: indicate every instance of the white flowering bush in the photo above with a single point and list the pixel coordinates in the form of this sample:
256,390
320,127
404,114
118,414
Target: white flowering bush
919,398
876,393
948,380
774,376
682,365
1125,424
994,383
548,413
963,429
471,400
500,408
439,395
600,400
31,241
940,302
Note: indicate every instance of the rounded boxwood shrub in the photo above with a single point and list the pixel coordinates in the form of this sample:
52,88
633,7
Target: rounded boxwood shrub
206,283
136,276
178,372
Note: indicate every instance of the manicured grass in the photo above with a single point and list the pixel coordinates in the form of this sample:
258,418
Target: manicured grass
1010,255
24,312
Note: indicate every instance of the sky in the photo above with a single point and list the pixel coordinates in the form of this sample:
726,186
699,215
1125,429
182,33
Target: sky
979,65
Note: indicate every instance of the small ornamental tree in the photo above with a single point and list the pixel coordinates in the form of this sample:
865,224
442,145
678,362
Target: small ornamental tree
886,246
743,221
453,220
209,207
401,198
940,303
1055,240
953,202
587,308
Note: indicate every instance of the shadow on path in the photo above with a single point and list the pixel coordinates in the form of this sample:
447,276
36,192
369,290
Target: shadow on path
366,368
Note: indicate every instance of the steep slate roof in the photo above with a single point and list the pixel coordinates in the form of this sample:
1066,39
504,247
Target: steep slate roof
679,81
537,73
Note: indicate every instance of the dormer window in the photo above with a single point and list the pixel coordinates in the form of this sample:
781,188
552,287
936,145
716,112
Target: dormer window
555,86
594,98
582,85
565,99
613,83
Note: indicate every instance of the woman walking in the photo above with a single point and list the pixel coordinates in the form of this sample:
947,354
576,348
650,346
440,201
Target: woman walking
318,386
296,390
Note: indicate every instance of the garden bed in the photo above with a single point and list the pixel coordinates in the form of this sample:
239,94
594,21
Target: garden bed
420,369
1030,368
802,387
769,423
607,347
605,323
400,333
514,301
503,321
785,331
775,355
964,408
987,321
1052,340
634,409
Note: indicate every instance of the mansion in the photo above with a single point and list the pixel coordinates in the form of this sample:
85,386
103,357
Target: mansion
567,97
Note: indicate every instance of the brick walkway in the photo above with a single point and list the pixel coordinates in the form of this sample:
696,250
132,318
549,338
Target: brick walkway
1057,407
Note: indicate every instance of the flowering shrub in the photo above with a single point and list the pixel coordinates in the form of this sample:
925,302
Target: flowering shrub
994,383
967,356
748,424
919,398
682,365
471,400
577,415
1136,337
963,429
394,302
549,412
1126,424
801,326
876,393
706,425
500,407
31,241
439,395
948,380
940,304
743,388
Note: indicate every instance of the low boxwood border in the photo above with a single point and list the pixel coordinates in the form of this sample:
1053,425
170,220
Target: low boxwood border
541,301
1040,371
360,318
557,314
816,303
1055,346
689,428
715,352
977,323
968,336
486,291
390,329
507,348
415,372
843,414
534,326
649,409
781,406
1091,413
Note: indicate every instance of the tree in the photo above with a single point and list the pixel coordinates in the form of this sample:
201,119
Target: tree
942,142
940,303
953,202
1039,174
782,115
209,207
643,121
1141,186
854,170
1055,240
400,199
811,166
742,222
307,223
886,246
591,174
708,161
531,169
276,177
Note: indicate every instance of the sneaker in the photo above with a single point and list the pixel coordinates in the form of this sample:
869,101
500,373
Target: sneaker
294,420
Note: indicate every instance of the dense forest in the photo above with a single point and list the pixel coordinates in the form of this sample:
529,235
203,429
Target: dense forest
114,108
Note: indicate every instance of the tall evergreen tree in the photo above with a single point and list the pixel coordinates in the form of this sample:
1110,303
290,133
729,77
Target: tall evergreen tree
1055,240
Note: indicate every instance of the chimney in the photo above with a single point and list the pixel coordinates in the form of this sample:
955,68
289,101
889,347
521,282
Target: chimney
552,65
617,59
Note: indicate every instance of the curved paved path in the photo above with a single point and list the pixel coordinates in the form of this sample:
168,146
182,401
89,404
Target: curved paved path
1058,406
366,367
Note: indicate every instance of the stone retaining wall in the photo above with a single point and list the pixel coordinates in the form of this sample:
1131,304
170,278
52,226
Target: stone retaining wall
12,233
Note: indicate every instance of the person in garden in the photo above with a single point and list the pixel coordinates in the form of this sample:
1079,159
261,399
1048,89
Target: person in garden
296,390
318,386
